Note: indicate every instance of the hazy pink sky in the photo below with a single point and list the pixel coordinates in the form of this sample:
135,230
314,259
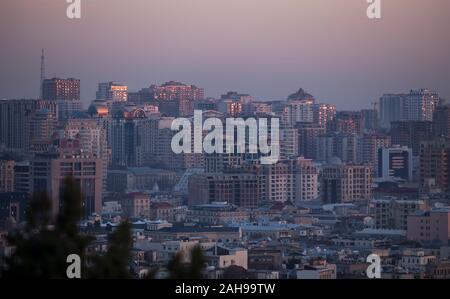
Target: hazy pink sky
268,48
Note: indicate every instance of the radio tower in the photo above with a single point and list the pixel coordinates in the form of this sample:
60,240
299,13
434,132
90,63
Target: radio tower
42,73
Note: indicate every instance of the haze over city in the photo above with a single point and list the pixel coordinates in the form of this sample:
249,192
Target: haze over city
268,50
264,141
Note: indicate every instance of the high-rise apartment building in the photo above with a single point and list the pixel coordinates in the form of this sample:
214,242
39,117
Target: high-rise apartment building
417,105
421,104
276,182
306,180
162,153
341,183
288,143
392,213
65,92
261,108
324,114
219,162
49,170
307,138
232,103
130,137
177,99
15,121
13,206
112,91
395,162
350,122
435,164
42,126
290,180
22,181
298,111
369,145
141,178
431,226
136,204
91,135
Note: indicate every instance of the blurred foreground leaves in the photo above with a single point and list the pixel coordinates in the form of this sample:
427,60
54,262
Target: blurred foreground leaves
42,247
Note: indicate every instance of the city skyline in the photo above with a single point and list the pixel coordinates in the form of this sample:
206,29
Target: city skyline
348,60
235,139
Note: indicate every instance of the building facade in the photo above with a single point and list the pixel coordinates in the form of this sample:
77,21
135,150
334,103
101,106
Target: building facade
417,105
435,164
49,170
65,92
345,183
430,226
112,91
15,121
240,189
395,162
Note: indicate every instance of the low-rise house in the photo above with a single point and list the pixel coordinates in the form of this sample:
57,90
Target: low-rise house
318,269
222,257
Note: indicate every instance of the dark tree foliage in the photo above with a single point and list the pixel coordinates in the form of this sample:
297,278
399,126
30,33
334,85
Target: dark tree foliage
179,270
115,263
41,249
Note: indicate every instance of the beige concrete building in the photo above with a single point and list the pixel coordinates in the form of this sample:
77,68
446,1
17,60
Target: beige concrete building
306,176
136,205
93,139
324,114
369,145
223,257
49,170
345,183
112,91
216,214
276,182
240,189
288,180
435,164
392,213
319,269
288,142
430,226
417,259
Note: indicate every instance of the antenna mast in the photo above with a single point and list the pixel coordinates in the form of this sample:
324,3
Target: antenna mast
42,74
